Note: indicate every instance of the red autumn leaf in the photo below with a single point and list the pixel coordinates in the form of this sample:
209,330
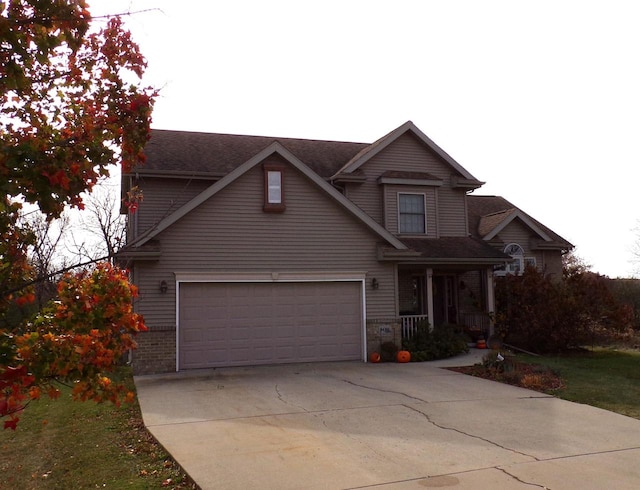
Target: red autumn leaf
70,110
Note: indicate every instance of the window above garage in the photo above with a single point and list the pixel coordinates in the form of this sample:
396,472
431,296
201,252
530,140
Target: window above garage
274,188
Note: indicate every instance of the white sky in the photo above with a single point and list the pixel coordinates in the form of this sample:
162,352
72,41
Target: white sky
539,99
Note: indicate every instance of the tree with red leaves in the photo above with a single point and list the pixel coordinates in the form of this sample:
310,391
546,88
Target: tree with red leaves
72,105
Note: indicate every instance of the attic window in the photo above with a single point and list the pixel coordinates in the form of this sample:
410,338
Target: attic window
274,188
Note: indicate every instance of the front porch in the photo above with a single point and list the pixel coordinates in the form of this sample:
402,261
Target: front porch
445,296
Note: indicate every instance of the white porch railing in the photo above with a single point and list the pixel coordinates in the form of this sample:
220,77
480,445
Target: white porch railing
410,324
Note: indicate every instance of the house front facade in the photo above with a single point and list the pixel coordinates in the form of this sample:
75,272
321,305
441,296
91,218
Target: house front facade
257,250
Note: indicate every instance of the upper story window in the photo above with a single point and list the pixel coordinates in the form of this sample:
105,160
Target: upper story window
516,266
518,262
412,216
274,188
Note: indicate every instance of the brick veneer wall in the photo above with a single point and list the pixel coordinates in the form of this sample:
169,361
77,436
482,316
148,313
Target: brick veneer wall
156,352
381,330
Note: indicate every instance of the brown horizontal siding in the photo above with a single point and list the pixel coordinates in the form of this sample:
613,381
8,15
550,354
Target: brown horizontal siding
408,154
231,233
368,197
552,263
516,232
161,197
451,212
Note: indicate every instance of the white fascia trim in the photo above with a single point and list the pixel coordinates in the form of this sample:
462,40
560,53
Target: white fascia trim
525,219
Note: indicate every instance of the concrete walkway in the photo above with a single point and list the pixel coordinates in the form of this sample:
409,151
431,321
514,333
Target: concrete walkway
384,426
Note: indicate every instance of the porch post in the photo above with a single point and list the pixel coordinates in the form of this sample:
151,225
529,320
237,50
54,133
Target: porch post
429,276
491,299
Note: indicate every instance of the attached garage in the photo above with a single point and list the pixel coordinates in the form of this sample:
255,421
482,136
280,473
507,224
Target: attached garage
250,323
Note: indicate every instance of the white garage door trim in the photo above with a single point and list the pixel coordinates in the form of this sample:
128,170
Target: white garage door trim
271,277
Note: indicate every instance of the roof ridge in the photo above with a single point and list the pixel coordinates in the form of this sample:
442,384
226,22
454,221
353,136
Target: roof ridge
210,133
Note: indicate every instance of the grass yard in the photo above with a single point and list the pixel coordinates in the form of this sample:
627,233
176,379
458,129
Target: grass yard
66,444
603,378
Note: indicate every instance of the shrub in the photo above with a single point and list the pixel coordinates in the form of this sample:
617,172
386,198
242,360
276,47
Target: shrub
388,351
539,314
438,343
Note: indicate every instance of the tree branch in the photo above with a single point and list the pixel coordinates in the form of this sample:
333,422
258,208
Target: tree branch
45,277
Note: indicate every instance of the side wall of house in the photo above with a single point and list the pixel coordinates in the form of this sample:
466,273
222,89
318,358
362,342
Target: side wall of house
231,233
161,197
552,260
408,154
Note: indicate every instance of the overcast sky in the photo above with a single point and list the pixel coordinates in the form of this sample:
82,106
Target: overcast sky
541,100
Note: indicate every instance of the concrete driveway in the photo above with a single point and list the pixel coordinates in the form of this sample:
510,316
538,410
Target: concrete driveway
383,426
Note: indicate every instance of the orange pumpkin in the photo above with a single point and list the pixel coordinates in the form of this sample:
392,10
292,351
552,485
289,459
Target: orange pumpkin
403,356
374,357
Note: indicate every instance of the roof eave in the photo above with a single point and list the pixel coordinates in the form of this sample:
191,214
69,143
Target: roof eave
446,260
403,181
468,184
175,174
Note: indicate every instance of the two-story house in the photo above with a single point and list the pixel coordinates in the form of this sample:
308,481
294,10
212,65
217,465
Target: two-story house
258,250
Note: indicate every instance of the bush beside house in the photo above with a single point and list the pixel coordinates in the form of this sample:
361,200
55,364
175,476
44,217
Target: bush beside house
429,344
537,313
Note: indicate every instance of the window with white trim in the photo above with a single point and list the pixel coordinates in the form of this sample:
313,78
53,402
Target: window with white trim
412,216
273,188
516,266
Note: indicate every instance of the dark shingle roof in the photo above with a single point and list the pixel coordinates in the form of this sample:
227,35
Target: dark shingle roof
487,212
218,154
453,248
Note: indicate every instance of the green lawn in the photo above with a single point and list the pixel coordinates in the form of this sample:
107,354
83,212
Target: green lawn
604,378
65,444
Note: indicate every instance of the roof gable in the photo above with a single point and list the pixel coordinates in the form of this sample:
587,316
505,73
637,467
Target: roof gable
273,148
494,224
370,151
489,215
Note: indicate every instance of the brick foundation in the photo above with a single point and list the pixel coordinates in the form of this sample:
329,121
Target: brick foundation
156,352
381,330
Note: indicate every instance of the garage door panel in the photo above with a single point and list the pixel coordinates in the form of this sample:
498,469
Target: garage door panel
232,324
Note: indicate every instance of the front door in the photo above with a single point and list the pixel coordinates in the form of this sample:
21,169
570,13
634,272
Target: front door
445,299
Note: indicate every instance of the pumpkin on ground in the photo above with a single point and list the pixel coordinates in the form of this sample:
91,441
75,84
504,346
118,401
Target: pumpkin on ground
374,357
403,356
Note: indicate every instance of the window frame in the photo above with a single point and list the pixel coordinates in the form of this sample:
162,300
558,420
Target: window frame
424,209
519,261
279,206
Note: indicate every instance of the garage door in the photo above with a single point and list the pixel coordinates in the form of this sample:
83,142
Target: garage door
235,324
